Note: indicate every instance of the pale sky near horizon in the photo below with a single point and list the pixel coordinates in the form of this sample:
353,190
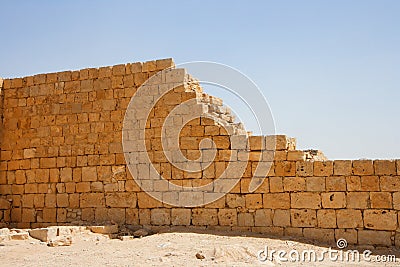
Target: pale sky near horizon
330,70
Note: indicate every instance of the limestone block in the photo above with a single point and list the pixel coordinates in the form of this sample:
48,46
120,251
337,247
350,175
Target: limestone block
303,218
276,184
144,216
89,174
326,218
376,238
357,200
323,235
201,216
136,67
381,200
281,218
390,183
146,201
254,201
160,216
180,216
363,167
315,184
276,200
285,168
369,183
48,163
305,200
349,218
118,69
335,183
89,200
296,155
342,167
121,200
353,183
294,184
349,234
62,200
257,142
83,187
333,200
162,64
380,219
227,217
29,153
245,219
237,200
149,66
385,167
304,168
43,234
4,204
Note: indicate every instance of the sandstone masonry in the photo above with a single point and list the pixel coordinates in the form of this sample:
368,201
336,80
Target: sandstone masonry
62,164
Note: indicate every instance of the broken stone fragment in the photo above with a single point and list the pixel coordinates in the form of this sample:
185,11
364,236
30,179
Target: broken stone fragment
104,229
140,233
60,241
43,234
19,236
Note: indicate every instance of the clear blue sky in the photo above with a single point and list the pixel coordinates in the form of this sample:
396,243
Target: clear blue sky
329,69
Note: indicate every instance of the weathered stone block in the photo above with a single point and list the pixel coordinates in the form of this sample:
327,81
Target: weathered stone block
335,183
326,236
161,216
285,168
353,183
369,183
245,219
333,200
305,200
349,218
121,200
145,201
326,218
349,234
254,201
43,234
303,218
363,167
275,184
342,167
89,200
390,183
381,200
276,200
180,216
369,237
357,200
380,219
281,218
385,167
89,174
201,216
294,184
315,184
304,168
227,217
296,155
323,168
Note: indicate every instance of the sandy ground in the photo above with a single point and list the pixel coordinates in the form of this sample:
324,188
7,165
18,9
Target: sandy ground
167,249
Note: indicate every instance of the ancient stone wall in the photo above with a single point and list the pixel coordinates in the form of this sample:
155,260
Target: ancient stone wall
62,162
